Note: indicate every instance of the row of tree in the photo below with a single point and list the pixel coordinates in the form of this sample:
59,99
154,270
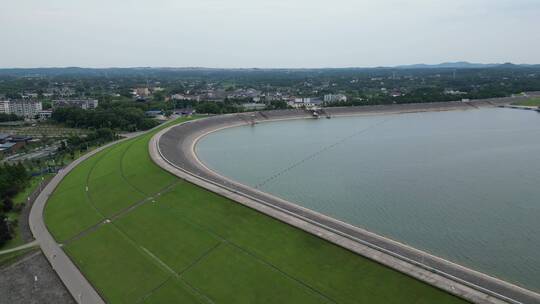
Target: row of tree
9,117
94,138
13,179
117,118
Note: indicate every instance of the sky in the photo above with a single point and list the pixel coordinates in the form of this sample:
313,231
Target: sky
266,33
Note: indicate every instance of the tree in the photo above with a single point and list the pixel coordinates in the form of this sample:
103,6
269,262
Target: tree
47,105
7,205
278,104
208,107
9,117
5,233
13,178
158,96
178,89
105,134
118,116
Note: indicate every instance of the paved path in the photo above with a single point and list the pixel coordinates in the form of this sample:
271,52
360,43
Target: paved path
25,246
79,287
23,225
172,149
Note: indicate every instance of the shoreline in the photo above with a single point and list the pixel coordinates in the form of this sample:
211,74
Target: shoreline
456,279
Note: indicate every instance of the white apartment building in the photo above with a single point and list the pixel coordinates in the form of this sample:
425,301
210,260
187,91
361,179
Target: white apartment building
45,114
25,108
4,106
85,104
329,98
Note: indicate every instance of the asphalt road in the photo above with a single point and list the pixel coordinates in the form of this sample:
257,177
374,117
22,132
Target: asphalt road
175,146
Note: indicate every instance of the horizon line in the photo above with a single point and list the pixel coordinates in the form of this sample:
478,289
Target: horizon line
266,68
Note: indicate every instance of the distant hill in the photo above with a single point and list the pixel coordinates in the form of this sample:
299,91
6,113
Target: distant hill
450,65
201,71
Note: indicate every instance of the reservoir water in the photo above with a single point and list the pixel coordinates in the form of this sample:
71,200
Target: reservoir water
463,185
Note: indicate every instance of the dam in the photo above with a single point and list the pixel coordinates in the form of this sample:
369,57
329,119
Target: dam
285,159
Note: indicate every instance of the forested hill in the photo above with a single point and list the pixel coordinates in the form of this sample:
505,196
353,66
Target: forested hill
200,71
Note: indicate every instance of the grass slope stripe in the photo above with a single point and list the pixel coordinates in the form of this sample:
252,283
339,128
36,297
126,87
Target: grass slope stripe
222,251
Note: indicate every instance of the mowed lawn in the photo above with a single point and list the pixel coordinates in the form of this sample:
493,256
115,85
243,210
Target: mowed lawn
183,244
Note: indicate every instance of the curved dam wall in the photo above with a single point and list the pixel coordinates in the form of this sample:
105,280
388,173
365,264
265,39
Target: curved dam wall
175,145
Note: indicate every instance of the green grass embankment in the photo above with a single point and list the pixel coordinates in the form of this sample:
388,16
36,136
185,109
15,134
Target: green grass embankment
188,245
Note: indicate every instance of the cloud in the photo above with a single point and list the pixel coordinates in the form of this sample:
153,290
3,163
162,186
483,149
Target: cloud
264,33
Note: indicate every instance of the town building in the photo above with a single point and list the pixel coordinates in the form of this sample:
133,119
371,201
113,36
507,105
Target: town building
186,97
252,94
141,92
20,139
7,148
331,98
9,144
85,104
269,97
4,106
30,95
21,107
178,97
153,113
306,102
63,92
4,138
45,114
253,106
454,92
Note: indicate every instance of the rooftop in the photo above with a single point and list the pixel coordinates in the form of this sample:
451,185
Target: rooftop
7,145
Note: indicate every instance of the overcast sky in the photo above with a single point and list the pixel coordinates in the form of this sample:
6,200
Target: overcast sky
266,33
